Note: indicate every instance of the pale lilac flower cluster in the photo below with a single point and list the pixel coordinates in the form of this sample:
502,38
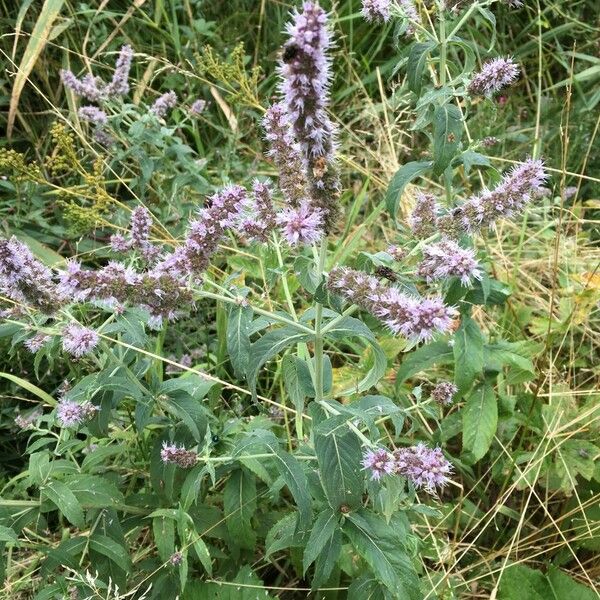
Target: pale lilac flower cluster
301,225
119,85
93,88
443,393
515,190
397,253
161,294
205,233
379,462
72,414
417,319
495,75
37,342
197,107
26,421
176,559
305,73
258,218
376,10
24,279
78,340
424,467
286,154
423,219
178,455
93,114
447,259
409,11
163,104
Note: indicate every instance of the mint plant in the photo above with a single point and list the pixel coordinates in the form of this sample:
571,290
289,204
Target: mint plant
176,478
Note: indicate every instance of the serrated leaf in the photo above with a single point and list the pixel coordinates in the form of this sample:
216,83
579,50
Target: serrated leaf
447,131
468,353
239,503
367,588
238,338
480,419
282,535
404,175
322,530
8,535
351,327
163,527
268,346
111,549
339,456
327,559
422,358
66,502
202,553
382,549
415,67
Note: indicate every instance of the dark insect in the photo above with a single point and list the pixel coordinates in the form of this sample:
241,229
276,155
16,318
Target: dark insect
386,273
290,52
456,211
215,439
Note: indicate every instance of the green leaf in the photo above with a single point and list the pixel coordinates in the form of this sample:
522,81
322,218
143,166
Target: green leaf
404,175
480,419
111,549
324,527
238,338
422,358
268,346
93,491
447,131
8,535
327,559
520,582
191,412
297,380
351,327
367,588
381,546
282,535
468,353
471,158
66,502
415,67
239,502
202,553
163,526
339,456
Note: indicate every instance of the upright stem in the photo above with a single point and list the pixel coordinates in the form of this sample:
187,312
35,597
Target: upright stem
318,358
442,18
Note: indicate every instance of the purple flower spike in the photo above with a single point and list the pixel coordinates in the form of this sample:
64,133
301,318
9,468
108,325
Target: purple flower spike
78,340
93,115
417,319
88,87
305,75
24,279
37,342
71,414
119,85
197,107
286,154
178,455
495,75
380,462
163,104
376,10
424,467
302,225
522,183
447,259
423,219
443,393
